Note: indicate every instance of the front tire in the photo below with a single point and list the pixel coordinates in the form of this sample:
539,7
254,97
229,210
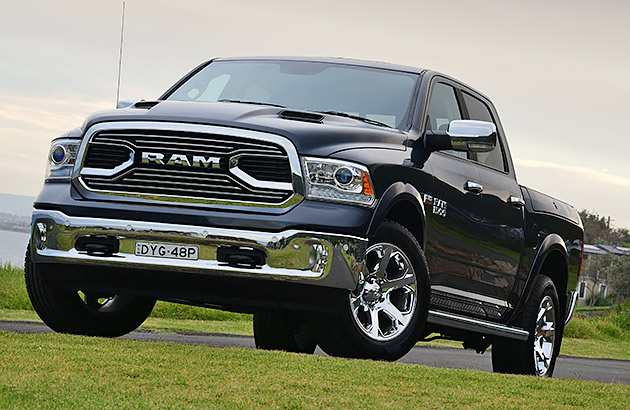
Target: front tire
385,316
75,312
542,317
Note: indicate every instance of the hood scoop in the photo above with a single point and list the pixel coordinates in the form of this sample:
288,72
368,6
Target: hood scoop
145,105
301,116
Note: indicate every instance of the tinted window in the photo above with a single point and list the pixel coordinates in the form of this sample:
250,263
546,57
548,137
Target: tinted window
477,110
443,108
378,94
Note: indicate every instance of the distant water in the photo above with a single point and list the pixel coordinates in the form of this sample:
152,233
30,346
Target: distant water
13,247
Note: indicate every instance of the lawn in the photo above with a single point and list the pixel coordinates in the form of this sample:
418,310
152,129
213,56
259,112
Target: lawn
603,336
64,371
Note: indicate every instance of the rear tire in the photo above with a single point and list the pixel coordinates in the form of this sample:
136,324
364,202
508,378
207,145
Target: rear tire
385,316
542,318
75,312
280,330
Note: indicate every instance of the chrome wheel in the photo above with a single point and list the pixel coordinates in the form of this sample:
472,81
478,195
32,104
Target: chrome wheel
544,335
384,303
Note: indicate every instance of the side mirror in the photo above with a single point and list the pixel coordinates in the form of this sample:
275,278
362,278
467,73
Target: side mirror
463,135
126,103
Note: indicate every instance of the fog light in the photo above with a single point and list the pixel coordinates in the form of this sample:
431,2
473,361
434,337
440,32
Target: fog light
40,236
318,258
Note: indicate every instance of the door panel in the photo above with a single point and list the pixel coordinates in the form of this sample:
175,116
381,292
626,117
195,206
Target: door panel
454,215
501,234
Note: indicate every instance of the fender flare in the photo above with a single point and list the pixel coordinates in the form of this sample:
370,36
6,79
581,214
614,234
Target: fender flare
394,194
552,243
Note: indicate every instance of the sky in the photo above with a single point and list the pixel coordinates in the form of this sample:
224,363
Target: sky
557,71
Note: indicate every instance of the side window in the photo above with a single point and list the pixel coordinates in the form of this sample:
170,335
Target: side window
477,110
443,108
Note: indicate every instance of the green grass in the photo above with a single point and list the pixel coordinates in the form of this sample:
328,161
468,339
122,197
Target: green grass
603,336
15,305
591,308
63,371
162,325
606,335
12,288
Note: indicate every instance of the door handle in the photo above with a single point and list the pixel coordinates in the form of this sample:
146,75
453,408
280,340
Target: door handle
515,201
474,187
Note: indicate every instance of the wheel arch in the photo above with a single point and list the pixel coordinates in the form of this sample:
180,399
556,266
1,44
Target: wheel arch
552,260
401,203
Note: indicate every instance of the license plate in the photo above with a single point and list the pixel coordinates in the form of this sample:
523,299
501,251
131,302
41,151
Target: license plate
167,250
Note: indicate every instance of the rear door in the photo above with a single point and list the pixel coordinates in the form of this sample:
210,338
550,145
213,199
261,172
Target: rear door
500,232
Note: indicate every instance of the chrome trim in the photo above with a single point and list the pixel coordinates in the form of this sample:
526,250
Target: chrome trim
318,258
297,186
386,299
544,336
515,201
472,186
470,295
242,175
472,135
476,325
571,303
102,172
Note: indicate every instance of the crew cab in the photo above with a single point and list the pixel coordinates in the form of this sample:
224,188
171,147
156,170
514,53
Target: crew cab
357,206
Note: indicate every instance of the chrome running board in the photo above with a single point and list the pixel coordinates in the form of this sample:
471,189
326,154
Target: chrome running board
437,317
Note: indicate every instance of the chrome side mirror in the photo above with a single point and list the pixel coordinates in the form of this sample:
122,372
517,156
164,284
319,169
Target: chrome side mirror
463,135
475,136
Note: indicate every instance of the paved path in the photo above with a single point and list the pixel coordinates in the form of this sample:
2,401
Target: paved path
568,367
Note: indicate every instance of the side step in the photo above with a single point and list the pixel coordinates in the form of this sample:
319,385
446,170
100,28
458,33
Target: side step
438,317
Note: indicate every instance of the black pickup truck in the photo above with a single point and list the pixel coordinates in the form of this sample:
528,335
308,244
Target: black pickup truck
356,206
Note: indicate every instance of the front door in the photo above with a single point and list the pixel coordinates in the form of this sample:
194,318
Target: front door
454,208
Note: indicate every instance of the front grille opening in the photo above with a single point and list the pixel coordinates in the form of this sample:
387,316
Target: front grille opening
106,156
209,179
266,168
98,245
241,257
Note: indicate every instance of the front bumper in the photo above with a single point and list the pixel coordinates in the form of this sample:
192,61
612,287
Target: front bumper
302,257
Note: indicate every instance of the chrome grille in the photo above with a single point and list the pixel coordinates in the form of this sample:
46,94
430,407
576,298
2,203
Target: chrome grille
106,156
245,169
266,168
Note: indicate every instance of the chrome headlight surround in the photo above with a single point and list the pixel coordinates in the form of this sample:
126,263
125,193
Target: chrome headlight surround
338,181
61,159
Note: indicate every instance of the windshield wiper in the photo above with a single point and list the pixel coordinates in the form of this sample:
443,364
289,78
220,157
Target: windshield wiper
251,102
355,117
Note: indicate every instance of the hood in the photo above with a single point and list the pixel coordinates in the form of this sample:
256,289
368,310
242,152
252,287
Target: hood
320,138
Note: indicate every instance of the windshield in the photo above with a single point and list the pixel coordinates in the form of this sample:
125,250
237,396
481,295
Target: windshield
371,93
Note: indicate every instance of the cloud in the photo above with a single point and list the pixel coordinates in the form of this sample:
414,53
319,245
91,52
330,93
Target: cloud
54,114
583,187
590,173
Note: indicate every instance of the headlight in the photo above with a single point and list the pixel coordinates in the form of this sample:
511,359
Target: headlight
63,153
340,181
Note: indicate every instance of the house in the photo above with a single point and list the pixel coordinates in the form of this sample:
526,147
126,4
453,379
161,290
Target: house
591,283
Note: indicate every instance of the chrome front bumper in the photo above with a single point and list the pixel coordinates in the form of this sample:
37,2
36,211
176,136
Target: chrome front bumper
315,258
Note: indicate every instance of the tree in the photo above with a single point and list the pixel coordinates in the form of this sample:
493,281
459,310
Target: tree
619,275
597,229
